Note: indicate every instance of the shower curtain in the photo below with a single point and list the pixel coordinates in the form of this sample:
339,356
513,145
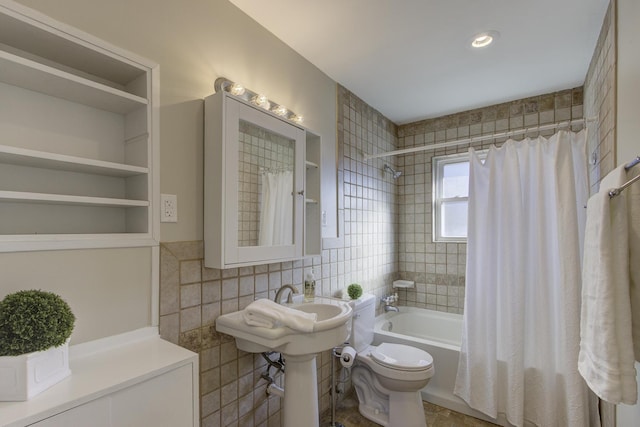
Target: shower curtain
276,213
522,304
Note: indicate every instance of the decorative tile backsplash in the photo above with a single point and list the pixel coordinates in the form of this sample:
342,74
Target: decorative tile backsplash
232,391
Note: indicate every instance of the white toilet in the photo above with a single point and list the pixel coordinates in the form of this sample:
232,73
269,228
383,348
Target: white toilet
388,377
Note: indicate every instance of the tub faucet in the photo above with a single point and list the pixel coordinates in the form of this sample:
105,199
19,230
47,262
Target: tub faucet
388,301
280,291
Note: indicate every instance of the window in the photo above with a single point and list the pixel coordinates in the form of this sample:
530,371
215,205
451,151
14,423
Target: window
450,197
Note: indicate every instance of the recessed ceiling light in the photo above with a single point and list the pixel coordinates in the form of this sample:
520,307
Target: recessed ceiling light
484,39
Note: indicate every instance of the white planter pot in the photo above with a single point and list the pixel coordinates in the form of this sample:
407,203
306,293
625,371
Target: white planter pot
24,376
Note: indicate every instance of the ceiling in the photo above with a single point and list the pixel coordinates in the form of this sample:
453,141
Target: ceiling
411,59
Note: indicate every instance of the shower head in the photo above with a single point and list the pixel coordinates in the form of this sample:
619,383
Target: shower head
396,174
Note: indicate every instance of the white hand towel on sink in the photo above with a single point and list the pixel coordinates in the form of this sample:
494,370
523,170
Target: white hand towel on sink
268,314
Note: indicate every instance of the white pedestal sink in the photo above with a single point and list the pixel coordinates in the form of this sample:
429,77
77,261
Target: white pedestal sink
299,351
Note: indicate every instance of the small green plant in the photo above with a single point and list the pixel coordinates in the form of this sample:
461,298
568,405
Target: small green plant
33,320
354,290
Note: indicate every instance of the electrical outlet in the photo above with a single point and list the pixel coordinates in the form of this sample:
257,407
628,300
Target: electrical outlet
168,208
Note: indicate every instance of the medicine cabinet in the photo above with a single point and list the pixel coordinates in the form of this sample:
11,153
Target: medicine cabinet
78,153
261,185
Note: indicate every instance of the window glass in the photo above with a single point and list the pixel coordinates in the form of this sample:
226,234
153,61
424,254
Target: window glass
454,219
455,179
451,197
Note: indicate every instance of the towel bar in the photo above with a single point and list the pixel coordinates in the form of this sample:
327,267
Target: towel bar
616,191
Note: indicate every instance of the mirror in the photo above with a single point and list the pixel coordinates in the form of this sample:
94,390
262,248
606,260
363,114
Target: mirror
265,187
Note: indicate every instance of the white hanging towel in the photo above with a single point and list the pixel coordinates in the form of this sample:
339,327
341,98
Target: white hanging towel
633,210
606,357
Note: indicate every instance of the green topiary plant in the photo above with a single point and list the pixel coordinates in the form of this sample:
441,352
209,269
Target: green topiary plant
354,290
33,320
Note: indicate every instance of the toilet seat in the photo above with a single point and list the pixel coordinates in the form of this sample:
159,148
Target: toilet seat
391,371
401,357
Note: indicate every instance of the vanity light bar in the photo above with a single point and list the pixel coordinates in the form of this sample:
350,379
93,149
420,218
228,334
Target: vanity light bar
237,89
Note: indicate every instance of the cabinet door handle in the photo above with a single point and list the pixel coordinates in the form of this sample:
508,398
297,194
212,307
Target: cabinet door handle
301,192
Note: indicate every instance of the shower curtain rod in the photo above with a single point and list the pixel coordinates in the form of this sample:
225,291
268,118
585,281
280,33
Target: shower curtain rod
480,138
613,193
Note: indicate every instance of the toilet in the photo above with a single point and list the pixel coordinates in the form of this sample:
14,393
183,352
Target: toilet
387,377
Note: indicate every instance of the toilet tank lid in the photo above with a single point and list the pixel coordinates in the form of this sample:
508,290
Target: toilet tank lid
364,301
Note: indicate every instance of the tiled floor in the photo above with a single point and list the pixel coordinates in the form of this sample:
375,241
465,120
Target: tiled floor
347,414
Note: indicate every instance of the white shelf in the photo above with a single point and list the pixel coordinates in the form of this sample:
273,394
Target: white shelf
63,199
313,210
79,150
31,75
46,160
47,242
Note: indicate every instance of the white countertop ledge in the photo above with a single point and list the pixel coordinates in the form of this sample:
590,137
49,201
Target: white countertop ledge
99,368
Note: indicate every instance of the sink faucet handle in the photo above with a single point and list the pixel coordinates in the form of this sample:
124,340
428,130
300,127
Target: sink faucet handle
294,290
283,288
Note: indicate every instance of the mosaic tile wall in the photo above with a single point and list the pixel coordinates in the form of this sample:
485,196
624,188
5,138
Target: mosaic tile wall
600,102
439,268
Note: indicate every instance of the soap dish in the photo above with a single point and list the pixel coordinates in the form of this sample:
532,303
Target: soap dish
404,284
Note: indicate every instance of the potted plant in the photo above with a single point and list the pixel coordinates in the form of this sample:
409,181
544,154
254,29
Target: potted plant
354,291
35,327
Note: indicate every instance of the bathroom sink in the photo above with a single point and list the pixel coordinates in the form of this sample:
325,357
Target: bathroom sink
329,330
329,315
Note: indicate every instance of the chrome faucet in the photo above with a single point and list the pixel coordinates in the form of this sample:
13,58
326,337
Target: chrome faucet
280,291
388,301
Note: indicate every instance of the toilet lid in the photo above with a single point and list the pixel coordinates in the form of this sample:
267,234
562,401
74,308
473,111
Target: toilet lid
400,356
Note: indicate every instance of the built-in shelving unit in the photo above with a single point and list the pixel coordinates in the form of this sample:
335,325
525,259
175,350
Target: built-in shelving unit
78,138
31,75
312,209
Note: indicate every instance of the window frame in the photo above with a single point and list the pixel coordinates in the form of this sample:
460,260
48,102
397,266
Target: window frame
437,166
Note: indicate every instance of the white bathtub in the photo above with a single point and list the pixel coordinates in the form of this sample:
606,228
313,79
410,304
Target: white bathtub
437,333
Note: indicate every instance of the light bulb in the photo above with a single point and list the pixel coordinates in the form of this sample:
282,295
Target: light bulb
280,110
261,101
484,39
236,89
297,119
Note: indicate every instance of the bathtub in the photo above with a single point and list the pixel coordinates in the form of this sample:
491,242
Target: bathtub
437,333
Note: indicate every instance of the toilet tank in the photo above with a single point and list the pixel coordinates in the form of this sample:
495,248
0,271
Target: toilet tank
363,318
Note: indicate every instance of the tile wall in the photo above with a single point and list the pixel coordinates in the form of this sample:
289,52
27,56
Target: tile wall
385,234
439,268
192,297
600,102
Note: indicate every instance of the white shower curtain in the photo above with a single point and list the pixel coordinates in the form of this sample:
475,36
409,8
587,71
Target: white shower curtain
522,303
276,213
